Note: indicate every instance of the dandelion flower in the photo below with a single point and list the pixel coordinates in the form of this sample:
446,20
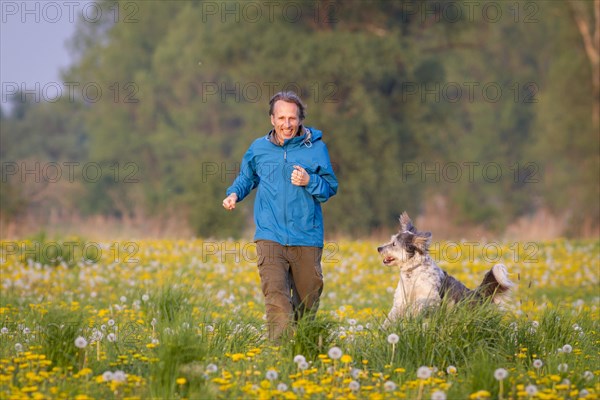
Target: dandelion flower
355,373
4,330
588,375
271,375
393,338
531,390
111,322
389,386
423,373
451,370
181,381
563,367
211,368
500,374
354,386
111,337
299,358
210,329
119,376
123,299
107,376
282,387
335,353
537,363
18,347
80,342
567,348
145,298
438,395
302,365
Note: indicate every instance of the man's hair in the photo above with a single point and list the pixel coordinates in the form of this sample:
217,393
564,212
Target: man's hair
289,97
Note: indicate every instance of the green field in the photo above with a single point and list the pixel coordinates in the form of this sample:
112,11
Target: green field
184,319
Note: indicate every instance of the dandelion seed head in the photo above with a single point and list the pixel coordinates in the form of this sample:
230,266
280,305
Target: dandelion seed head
111,337
145,298
282,387
535,324
567,348
354,386
423,373
335,353
111,322
123,299
588,375
299,358
119,376
563,367
500,374
4,330
537,363
393,338
389,386
18,347
531,390
302,365
271,375
80,342
438,395
451,370
211,368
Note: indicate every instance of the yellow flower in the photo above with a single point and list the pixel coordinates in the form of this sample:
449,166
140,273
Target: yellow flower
346,359
181,381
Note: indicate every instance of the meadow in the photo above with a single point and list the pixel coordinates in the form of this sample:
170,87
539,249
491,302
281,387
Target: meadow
183,319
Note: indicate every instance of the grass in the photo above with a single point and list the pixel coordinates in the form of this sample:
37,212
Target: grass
173,325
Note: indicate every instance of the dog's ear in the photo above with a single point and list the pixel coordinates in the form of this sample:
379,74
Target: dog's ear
421,241
405,223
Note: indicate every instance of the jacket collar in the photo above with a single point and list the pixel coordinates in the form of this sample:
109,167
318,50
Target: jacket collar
302,131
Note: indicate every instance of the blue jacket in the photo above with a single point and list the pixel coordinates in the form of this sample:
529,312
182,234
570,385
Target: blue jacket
284,213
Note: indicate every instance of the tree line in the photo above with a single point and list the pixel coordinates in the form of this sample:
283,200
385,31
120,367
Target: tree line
487,108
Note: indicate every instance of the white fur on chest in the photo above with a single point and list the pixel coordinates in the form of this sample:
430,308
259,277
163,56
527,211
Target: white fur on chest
416,290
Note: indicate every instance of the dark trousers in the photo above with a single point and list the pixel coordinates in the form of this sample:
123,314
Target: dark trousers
292,282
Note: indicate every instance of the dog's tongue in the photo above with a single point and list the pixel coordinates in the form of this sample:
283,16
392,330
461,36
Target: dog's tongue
388,260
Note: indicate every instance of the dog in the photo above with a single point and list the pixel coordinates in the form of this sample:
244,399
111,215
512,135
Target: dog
423,284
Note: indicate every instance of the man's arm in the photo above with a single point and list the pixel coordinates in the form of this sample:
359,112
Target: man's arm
244,182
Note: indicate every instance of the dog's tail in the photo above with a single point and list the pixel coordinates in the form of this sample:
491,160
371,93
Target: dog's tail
496,285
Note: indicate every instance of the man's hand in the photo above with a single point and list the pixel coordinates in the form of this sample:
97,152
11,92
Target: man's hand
300,177
229,201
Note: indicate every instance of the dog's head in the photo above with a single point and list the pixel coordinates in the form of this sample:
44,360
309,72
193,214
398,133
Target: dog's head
404,245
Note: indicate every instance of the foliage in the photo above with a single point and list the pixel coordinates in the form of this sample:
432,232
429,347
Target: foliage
184,321
413,104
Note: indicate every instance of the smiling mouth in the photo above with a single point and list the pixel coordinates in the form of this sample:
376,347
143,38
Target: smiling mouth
388,260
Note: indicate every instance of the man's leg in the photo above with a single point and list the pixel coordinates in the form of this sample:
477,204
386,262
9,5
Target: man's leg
307,279
273,269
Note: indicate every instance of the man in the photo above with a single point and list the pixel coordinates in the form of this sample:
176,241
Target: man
291,170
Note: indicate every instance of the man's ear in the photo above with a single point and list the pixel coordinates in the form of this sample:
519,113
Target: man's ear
421,241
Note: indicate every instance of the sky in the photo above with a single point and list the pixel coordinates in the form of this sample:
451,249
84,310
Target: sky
33,44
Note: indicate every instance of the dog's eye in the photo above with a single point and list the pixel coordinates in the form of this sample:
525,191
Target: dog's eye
394,244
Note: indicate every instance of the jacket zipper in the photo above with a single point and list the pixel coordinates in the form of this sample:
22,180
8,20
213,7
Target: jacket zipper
285,198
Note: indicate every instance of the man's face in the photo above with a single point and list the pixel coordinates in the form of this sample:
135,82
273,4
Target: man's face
285,120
